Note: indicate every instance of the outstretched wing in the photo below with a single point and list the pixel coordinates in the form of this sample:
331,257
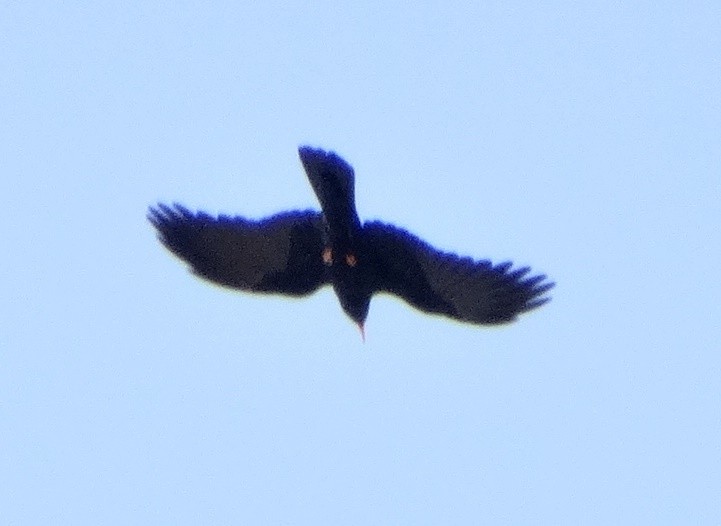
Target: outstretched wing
280,254
443,283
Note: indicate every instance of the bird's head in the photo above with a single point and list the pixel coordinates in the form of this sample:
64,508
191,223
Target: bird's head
355,304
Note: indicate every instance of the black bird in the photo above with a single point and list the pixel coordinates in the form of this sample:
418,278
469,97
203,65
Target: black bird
297,252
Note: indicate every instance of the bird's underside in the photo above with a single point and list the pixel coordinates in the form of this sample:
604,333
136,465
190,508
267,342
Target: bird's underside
294,253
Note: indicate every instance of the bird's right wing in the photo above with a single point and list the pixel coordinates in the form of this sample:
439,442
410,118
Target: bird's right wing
280,254
443,283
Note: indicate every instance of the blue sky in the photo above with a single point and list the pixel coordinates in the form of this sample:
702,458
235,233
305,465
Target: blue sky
582,139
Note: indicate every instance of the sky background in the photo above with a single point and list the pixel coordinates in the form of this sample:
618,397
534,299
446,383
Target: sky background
583,139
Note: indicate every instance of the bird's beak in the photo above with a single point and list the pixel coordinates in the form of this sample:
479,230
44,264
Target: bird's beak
362,331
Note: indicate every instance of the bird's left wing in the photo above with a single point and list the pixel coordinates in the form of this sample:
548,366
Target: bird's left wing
443,283
279,254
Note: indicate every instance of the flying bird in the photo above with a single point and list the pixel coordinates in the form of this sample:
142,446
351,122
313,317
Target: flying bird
297,252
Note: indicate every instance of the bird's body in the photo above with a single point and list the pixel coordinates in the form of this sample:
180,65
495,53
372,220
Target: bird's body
295,253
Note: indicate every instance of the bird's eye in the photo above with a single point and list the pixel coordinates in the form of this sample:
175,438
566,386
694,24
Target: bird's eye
351,260
327,256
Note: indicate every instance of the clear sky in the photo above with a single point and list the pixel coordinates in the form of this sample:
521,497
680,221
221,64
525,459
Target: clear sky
583,139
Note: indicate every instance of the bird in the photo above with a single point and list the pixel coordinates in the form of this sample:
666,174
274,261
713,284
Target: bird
295,253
